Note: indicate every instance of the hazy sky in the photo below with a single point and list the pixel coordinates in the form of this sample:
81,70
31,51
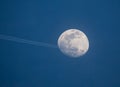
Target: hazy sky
25,65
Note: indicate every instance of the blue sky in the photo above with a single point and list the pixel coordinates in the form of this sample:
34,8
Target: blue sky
25,65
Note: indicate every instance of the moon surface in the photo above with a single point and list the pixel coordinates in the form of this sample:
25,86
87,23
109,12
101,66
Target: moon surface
73,43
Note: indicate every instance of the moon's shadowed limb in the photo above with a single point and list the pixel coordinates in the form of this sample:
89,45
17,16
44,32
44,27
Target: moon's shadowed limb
20,40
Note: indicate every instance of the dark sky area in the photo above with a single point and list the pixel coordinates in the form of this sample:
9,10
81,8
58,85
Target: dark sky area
25,65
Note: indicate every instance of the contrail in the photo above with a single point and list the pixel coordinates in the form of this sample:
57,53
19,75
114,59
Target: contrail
20,40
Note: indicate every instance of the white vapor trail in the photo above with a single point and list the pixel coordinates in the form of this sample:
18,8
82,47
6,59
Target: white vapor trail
20,40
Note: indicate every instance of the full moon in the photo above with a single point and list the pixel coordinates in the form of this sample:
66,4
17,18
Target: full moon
73,43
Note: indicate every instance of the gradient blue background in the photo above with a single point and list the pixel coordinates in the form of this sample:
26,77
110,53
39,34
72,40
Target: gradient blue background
24,65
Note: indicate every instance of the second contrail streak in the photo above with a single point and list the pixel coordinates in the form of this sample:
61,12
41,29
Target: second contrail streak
20,40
